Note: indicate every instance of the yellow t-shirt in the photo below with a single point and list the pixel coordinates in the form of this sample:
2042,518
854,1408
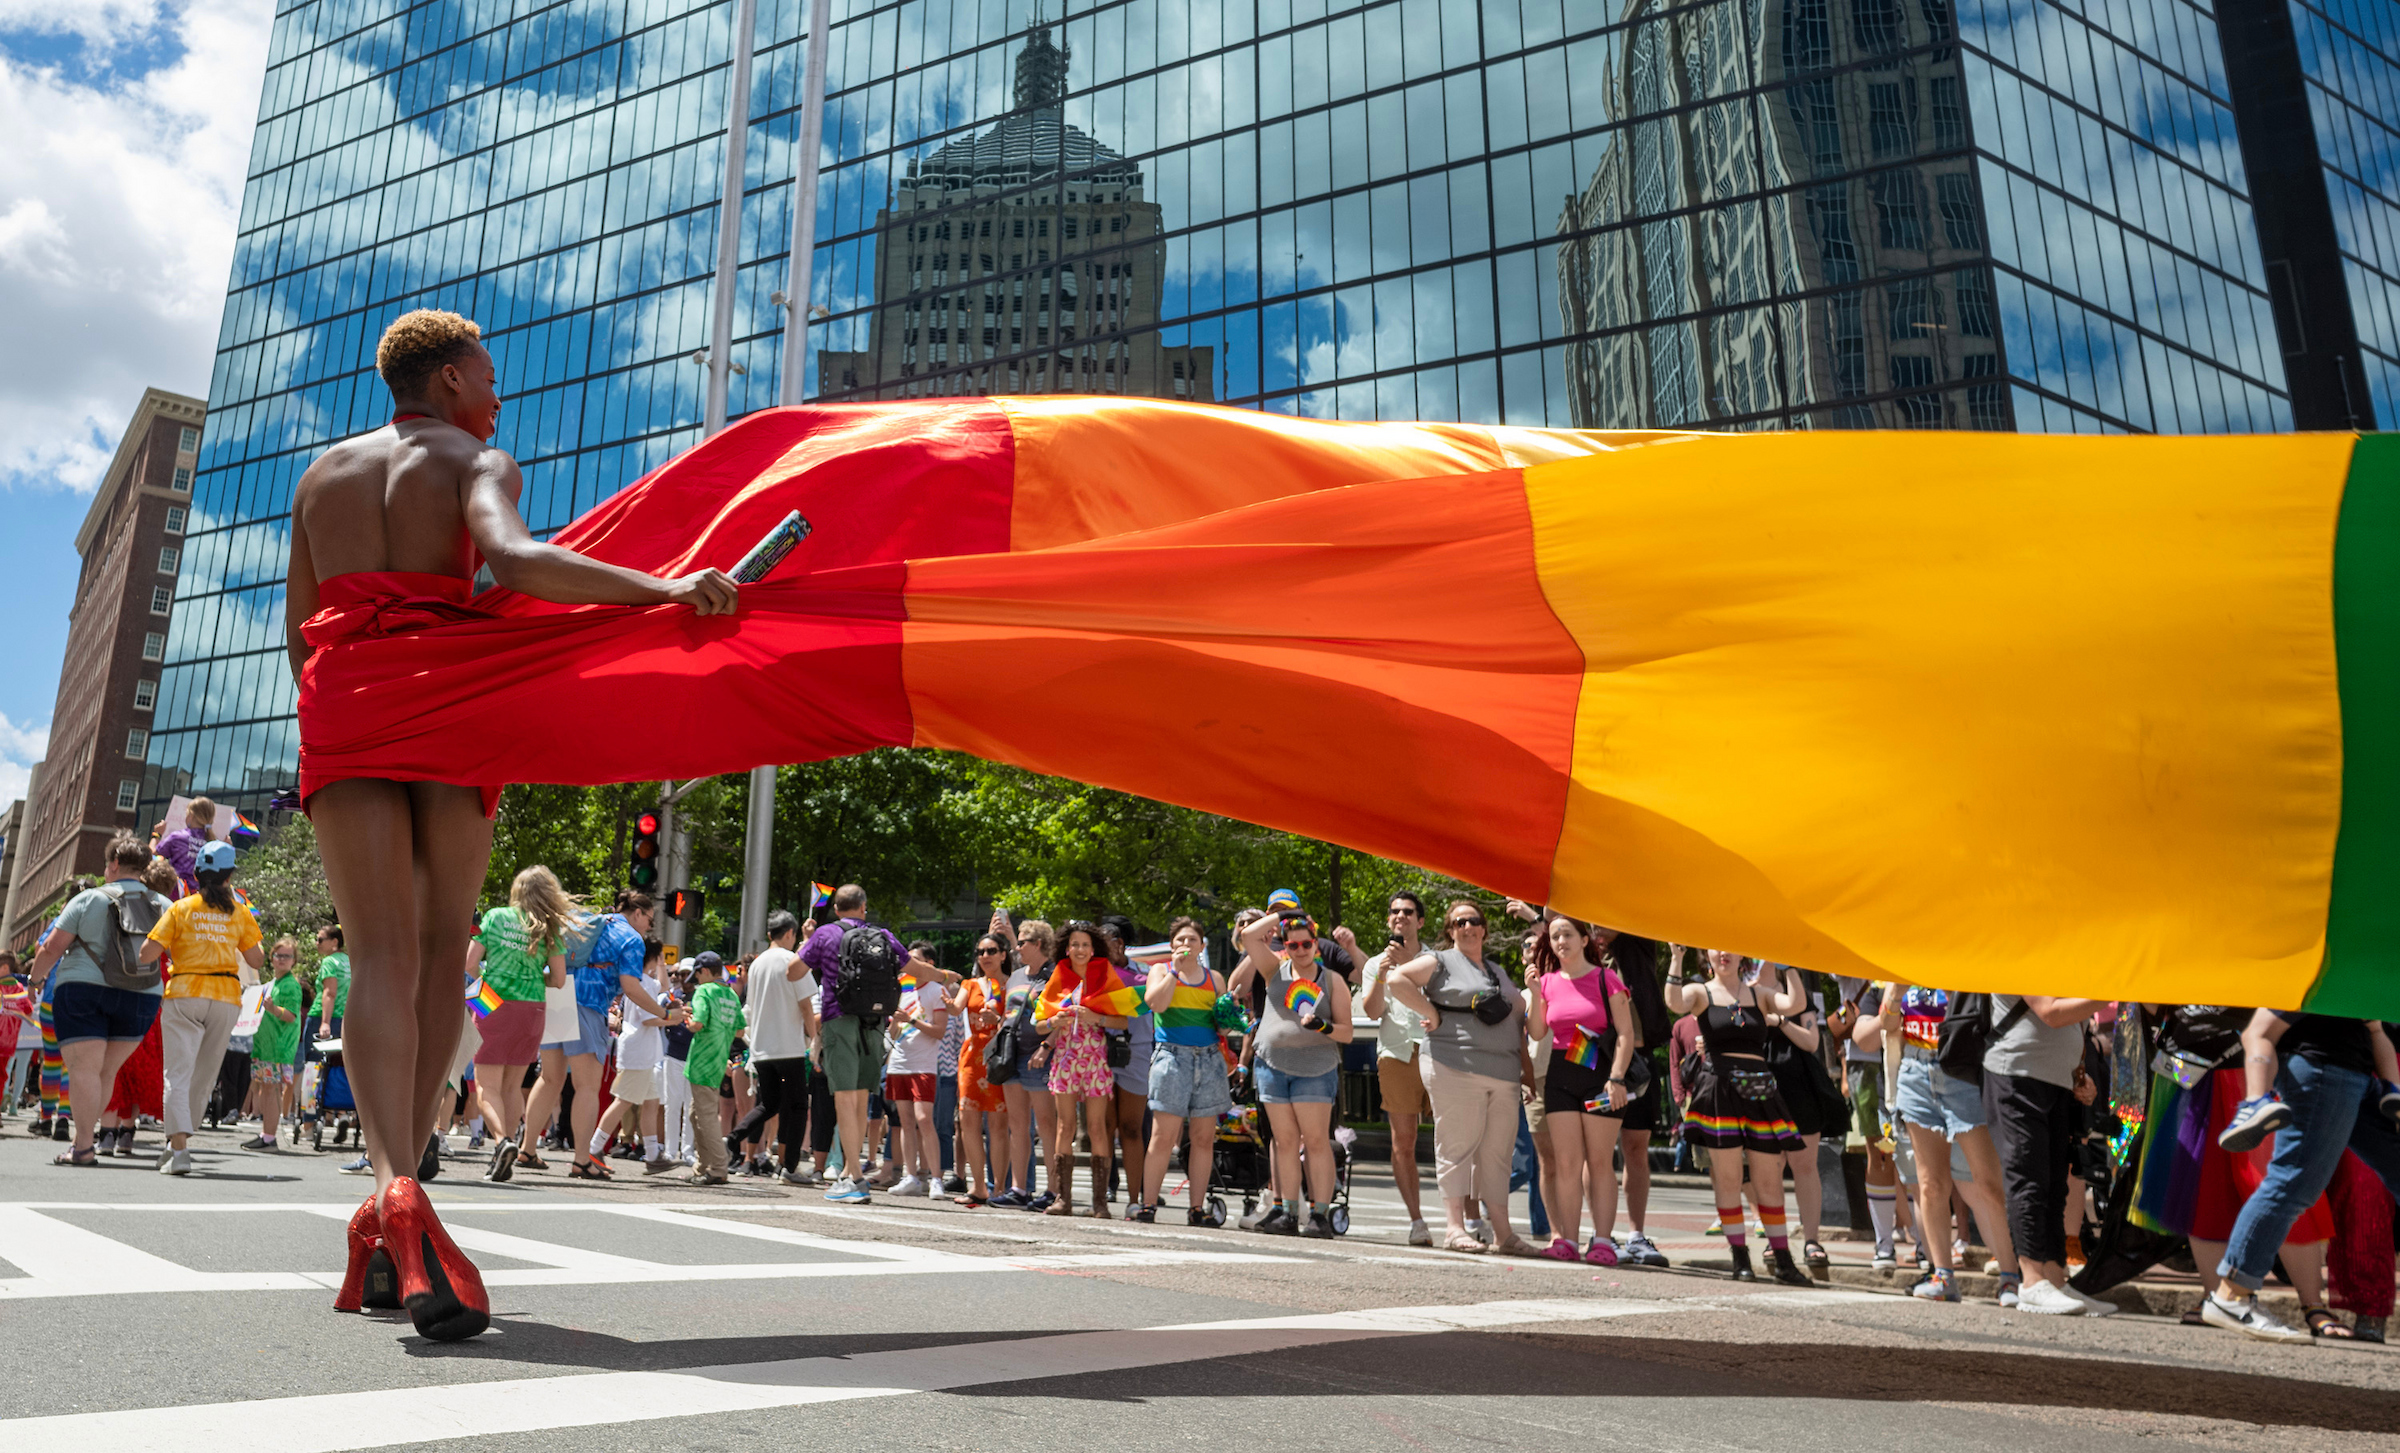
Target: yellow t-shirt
205,948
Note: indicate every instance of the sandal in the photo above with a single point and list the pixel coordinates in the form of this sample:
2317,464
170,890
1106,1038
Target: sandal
527,1160
1813,1252
590,1170
2324,1324
77,1157
1463,1241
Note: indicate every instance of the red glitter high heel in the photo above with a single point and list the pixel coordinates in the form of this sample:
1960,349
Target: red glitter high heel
369,1283
440,1287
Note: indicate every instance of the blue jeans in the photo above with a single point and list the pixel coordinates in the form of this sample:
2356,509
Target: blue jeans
2328,1108
1525,1174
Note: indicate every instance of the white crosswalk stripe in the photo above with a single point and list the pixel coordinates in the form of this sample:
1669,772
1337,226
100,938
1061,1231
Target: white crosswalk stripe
61,1259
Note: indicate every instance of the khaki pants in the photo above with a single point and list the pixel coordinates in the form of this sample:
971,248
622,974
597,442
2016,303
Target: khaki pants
191,1038
708,1129
1474,1134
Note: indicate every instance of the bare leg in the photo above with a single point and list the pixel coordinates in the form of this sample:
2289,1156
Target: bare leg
1140,1188
1286,1120
1983,1197
1563,1179
586,1110
1100,1127
501,1089
1165,1130
1203,1159
453,850
1933,1195
1808,1187
1316,1137
1599,1171
92,1066
542,1103
1019,1103
1405,1175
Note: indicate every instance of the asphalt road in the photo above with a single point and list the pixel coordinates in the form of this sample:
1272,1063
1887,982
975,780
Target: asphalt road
142,1311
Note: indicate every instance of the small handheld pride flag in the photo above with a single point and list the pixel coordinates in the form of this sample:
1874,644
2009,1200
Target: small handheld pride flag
1584,1048
818,896
1302,995
482,998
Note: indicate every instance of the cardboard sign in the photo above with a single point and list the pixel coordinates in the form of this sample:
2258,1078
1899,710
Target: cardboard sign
219,831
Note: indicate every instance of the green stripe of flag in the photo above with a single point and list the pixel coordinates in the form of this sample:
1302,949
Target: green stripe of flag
2361,975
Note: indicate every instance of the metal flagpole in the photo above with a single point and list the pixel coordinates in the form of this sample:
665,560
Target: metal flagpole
759,842
729,215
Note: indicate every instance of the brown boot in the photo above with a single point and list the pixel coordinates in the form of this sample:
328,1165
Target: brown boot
1062,1179
1100,1211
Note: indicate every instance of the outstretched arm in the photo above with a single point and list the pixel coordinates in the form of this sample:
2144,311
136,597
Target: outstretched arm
550,572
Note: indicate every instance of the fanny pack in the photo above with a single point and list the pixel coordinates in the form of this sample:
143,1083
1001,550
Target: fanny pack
2183,1069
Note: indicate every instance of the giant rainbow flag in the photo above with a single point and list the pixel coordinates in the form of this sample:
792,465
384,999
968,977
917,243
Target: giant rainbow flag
2106,716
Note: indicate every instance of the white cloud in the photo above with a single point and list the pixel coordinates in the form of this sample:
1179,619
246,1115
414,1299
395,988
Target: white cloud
20,748
122,185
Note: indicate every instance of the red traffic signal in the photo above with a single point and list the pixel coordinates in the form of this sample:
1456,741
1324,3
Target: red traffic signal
646,824
644,873
685,905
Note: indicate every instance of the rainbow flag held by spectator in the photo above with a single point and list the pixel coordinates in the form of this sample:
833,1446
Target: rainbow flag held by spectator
819,896
1584,1048
482,998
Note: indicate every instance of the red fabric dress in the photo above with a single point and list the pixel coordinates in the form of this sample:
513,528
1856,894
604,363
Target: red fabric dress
141,1087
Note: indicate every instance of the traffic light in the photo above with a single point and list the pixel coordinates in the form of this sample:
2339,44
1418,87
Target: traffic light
645,851
685,905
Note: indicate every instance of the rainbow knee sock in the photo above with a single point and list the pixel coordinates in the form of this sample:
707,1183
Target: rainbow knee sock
1736,1229
1770,1220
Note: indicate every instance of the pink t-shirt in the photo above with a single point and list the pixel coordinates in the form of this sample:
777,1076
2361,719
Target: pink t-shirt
1579,1002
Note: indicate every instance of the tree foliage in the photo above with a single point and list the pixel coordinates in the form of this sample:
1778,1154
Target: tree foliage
284,879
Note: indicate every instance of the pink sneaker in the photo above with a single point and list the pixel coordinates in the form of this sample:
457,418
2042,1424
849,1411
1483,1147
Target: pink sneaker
1602,1252
1560,1249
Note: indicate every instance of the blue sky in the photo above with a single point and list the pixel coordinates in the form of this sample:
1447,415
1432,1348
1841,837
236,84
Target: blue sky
128,126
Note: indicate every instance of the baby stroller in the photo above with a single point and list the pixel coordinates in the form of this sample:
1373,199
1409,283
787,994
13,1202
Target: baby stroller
333,1100
1244,1164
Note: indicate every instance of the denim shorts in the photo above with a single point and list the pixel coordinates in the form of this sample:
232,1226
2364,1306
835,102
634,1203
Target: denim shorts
1925,1096
96,1011
1278,1088
594,1038
1188,1081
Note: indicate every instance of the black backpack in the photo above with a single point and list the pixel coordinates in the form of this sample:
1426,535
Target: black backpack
1637,964
133,911
866,974
1967,1031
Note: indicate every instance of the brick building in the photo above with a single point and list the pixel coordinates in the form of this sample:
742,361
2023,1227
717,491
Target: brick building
132,548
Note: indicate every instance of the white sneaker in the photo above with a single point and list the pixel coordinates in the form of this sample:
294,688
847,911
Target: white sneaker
911,1185
2043,1299
176,1163
1481,1231
2092,1306
2248,1318
1419,1234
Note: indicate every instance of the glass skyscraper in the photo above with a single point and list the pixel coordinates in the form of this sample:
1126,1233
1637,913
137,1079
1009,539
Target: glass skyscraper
1974,214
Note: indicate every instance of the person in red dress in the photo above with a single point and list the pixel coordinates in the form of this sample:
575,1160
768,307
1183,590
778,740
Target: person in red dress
387,530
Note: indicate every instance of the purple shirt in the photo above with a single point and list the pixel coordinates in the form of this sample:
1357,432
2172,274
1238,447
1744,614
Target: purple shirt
182,848
824,949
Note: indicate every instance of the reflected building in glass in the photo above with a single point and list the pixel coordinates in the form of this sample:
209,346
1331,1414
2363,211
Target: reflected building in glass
1045,260
1973,214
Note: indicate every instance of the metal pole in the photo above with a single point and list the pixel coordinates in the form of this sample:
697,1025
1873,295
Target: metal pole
801,272
729,214
758,850
759,842
670,928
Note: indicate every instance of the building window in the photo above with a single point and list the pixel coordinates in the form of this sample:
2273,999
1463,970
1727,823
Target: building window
1891,118
175,519
145,694
1957,191
1974,303
1899,210
154,646
189,441
1908,307
129,794
170,559
1917,411
137,743
1987,403
161,597
183,478
1949,122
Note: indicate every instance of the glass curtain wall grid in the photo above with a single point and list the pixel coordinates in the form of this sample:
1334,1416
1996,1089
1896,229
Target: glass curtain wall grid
1987,214
2350,54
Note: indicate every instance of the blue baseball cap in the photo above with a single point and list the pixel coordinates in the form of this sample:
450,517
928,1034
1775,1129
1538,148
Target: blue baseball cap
1282,898
216,858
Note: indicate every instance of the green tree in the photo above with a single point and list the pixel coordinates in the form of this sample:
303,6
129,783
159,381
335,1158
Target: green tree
284,879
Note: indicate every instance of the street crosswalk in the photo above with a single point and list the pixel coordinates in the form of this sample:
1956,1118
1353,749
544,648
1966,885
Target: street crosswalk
54,1249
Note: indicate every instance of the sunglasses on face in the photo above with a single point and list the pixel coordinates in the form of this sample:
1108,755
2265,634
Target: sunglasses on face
983,952
1466,923
1300,945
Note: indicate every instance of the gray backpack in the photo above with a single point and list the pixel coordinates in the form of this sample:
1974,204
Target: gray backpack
133,911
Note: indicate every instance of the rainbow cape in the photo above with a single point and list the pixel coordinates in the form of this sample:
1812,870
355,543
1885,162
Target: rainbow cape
1583,1048
1099,989
2114,717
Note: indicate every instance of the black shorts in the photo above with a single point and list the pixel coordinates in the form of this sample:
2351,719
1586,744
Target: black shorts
95,1011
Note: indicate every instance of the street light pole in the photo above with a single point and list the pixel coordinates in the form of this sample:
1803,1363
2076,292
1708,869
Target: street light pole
674,858
759,841
729,216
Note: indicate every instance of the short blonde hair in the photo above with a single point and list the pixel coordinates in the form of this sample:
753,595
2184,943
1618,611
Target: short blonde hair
418,344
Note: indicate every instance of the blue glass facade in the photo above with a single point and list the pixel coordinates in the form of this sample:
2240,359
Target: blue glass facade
1732,213
2350,53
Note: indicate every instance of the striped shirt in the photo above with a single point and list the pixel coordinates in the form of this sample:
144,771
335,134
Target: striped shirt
1191,1013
